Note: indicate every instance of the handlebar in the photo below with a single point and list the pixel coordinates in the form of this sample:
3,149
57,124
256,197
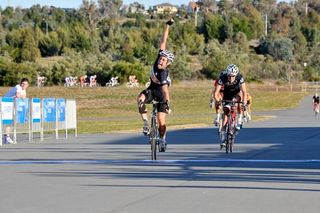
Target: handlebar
231,102
154,103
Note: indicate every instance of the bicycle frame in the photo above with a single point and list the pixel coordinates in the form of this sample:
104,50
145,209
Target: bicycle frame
230,129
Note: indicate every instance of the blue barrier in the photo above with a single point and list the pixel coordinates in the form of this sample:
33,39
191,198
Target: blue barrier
24,115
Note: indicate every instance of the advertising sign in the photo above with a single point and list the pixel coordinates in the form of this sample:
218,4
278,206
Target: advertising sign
61,105
49,109
7,110
36,110
22,110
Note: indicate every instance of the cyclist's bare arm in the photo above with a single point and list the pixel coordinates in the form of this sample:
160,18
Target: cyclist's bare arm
165,90
164,39
217,97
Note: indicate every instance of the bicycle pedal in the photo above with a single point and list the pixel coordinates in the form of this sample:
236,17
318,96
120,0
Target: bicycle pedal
146,133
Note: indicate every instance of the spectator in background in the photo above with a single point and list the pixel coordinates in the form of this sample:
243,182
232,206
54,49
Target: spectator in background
19,91
40,81
82,80
93,81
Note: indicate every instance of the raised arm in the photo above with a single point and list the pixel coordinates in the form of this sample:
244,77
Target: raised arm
165,35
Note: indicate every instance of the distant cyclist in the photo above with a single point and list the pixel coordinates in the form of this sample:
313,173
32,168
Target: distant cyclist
315,101
217,105
158,89
234,87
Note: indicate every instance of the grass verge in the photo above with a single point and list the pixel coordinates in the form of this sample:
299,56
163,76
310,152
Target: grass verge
102,109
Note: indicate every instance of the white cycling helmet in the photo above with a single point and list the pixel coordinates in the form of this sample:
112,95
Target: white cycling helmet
316,95
167,54
232,70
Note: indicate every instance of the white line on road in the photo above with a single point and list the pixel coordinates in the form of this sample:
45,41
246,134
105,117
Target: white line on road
12,162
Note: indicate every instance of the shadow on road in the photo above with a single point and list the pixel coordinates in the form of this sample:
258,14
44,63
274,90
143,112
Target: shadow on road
194,155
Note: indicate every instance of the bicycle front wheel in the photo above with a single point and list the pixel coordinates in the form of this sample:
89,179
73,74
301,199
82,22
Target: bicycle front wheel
154,149
153,139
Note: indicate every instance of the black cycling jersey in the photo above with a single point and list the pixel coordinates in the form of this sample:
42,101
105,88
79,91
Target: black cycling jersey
230,89
158,77
315,99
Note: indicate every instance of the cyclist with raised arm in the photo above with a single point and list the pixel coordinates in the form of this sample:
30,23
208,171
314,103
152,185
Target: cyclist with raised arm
315,101
234,87
158,89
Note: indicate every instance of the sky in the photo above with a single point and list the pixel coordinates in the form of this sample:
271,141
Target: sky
76,3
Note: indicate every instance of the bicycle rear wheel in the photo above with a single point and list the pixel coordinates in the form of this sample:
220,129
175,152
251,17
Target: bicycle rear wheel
227,146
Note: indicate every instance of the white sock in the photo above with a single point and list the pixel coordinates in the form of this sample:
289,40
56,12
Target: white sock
240,119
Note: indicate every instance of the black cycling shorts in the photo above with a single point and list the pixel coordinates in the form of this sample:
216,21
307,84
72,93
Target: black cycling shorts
156,95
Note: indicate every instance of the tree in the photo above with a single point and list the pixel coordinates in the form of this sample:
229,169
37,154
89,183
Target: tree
80,38
281,49
109,8
179,69
90,11
214,59
207,5
50,45
213,27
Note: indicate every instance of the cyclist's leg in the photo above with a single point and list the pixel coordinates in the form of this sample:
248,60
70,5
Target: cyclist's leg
162,124
240,110
218,110
141,101
161,116
143,98
249,110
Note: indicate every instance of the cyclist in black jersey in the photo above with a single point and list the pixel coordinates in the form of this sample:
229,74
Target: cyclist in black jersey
315,101
234,87
158,89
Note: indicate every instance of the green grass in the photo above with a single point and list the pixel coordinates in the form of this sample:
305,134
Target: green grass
105,109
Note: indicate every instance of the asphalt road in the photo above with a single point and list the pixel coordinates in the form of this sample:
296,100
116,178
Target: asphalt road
274,168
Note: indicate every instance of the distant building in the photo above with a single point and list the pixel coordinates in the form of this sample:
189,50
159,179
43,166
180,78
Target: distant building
165,8
200,6
135,7
193,6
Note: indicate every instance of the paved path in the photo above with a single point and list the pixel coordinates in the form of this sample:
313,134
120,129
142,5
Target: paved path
274,168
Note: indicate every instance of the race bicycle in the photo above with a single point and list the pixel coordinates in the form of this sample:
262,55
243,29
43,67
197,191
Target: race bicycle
230,128
154,132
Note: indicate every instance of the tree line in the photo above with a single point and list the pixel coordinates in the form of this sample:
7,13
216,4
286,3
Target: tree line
268,40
